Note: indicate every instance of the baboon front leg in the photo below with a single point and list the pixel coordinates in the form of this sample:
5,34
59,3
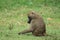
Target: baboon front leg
25,31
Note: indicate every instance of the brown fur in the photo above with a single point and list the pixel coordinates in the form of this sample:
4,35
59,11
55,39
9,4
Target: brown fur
37,25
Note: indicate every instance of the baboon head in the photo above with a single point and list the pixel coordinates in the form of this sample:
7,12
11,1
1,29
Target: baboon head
32,15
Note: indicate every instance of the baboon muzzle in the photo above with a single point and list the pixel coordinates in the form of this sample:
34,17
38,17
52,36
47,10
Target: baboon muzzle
29,19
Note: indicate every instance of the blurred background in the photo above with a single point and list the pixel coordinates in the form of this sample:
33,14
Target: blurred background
13,18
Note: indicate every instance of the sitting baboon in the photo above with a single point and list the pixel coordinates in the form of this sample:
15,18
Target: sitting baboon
37,25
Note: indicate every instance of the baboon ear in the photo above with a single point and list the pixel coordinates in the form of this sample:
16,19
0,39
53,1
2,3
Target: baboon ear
33,12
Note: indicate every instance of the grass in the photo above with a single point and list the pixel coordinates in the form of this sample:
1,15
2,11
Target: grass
13,18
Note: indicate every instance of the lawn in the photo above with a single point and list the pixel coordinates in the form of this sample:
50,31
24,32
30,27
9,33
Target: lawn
13,18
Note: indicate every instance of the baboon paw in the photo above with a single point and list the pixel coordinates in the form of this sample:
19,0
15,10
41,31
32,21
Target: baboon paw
19,33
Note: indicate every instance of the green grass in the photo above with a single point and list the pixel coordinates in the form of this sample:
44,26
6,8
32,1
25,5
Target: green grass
13,18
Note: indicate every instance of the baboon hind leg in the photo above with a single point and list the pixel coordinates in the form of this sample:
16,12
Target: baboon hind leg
38,33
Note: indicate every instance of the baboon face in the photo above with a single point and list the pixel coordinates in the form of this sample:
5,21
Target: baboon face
29,20
31,16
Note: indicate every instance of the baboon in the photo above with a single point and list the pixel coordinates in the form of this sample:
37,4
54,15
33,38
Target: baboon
38,27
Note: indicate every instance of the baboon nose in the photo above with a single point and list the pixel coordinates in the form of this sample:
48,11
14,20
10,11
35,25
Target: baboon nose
29,17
